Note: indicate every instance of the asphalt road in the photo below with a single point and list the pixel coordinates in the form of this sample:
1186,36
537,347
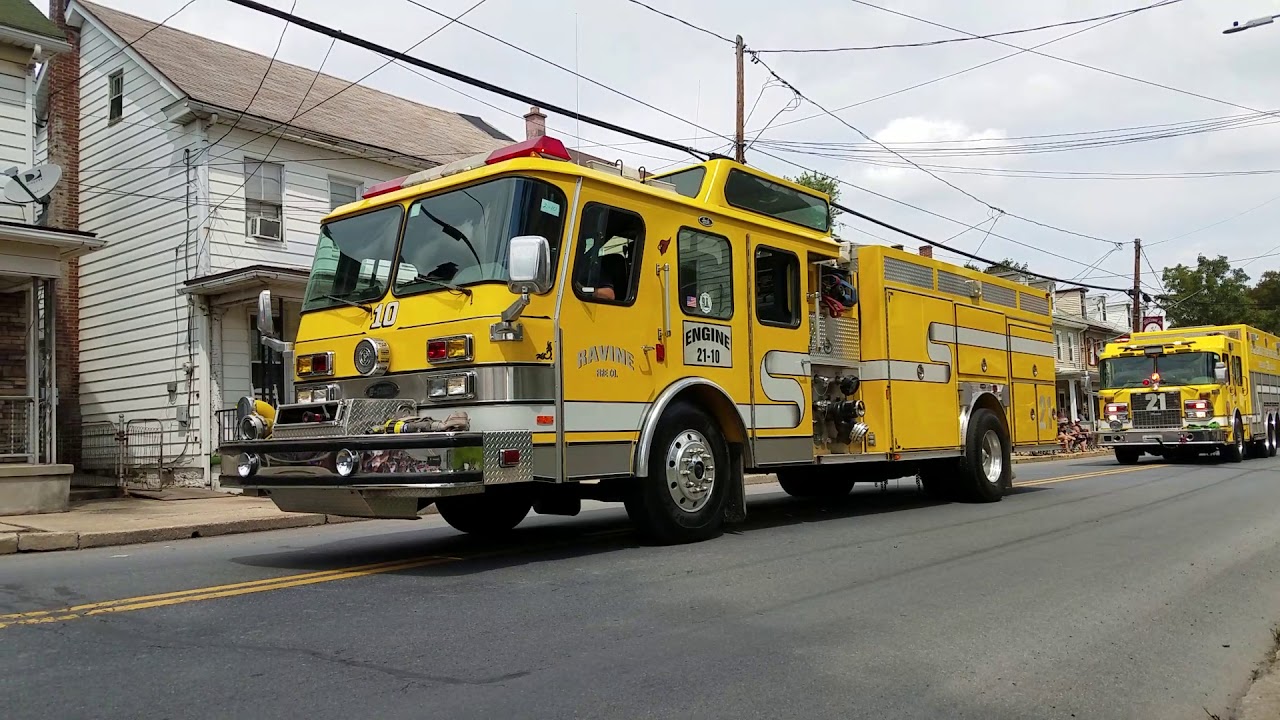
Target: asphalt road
1109,593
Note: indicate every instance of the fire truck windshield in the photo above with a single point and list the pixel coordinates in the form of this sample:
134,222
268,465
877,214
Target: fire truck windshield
353,259
460,237
1195,368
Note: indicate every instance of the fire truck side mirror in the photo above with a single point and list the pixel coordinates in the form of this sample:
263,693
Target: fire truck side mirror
529,265
266,325
1220,373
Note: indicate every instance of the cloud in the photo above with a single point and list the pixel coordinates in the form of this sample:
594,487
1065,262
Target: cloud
907,133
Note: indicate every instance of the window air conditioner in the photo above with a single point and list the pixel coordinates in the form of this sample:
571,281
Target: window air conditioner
265,227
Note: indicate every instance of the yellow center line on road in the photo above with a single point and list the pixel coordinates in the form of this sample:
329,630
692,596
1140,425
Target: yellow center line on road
144,602
1082,476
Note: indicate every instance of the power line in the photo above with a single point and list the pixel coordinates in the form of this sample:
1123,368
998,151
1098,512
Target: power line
684,22
944,181
1220,222
945,41
360,42
575,73
271,61
1067,60
461,77
948,76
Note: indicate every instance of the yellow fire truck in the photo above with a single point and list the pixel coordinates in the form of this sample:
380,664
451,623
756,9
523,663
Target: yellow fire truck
517,331
1188,391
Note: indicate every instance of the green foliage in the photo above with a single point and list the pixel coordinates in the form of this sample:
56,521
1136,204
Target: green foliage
1005,265
1211,293
1266,302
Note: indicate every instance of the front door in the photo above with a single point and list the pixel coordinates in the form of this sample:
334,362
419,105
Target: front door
610,320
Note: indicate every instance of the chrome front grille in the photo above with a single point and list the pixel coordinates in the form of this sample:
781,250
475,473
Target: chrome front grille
1157,410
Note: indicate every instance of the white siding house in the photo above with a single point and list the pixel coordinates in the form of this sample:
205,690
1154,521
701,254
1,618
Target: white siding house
208,190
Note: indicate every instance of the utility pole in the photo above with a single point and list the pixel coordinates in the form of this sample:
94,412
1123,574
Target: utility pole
1137,285
739,137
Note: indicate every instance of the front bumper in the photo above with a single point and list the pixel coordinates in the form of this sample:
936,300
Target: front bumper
1165,437
393,472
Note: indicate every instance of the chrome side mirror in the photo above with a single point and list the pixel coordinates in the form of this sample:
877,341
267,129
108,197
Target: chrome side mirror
266,324
1220,373
529,265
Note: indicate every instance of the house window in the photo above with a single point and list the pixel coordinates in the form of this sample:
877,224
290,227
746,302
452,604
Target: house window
610,242
777,287
1071,347
115,96
342,192
263,199
1058,343
705,274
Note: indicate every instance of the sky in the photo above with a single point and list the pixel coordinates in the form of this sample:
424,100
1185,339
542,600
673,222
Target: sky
958,127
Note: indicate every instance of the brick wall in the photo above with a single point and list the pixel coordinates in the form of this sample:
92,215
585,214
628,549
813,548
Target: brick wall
14,317
64,212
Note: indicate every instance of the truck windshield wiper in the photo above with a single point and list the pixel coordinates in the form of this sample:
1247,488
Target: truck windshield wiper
352,303
443,283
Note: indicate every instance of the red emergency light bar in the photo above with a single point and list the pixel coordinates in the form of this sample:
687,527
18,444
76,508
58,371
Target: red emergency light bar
539,147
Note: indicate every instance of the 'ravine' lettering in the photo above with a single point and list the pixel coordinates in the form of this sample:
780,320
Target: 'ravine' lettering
703,333
606,354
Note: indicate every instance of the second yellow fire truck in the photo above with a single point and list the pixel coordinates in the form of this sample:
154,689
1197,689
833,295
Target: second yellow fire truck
1182,392
517,331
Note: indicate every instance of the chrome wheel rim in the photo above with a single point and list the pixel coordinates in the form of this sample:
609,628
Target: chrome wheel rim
691,471
991,457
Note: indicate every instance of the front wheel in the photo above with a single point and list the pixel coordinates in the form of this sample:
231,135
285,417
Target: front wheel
1127,456
988,460
487,514
1234,452
683,497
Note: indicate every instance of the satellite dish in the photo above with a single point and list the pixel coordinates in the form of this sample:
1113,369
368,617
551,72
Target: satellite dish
32,185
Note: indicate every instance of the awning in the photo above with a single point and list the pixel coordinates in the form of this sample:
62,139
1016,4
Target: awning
38,251
244,284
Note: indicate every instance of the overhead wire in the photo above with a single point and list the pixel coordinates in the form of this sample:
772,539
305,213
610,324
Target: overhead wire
947,41
369,45
271,61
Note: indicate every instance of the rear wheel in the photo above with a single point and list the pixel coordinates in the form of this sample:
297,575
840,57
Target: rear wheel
988,460
1234,452
682,499
1271,438
487,514
813,483
1127,456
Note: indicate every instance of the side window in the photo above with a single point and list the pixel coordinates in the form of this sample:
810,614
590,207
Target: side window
705,274
1226,360
607,266
1237,375
777,287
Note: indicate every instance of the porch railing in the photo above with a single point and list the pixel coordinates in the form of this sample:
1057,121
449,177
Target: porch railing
227,425
17,430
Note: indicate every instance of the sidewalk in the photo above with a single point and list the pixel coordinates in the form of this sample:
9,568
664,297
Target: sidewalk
180,514
124,521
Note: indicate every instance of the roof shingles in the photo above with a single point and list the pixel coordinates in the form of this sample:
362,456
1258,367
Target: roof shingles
22,15
225,76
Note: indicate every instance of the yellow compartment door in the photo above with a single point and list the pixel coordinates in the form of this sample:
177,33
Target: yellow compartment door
1026,413
922,385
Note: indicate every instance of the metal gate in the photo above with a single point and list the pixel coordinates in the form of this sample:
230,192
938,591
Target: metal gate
113,454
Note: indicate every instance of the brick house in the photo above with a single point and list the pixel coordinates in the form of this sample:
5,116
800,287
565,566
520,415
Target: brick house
39,247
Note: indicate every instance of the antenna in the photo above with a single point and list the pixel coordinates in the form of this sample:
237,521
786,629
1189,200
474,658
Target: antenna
33,185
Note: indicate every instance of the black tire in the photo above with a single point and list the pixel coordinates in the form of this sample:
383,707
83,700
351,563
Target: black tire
1234,451
988,459
1127,456
1272,438
489,514
814,483
685,440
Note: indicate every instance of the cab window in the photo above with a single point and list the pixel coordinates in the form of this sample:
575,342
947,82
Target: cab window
705,274
606,269
777,287
1236,371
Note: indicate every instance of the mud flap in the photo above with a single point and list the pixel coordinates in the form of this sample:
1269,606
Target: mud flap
735,505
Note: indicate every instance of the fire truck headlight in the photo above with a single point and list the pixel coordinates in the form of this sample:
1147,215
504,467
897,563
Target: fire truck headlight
247,465
347,462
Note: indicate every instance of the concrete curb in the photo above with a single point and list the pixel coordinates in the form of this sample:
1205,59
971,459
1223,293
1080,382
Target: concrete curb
42,541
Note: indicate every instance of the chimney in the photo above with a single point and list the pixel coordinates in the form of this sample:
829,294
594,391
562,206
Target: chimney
926,251
64,212
535,124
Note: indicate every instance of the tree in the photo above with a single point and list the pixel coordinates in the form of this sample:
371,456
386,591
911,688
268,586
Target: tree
1211,293
823,184
1007,265
1265,298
